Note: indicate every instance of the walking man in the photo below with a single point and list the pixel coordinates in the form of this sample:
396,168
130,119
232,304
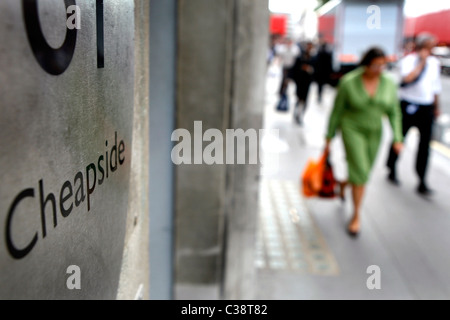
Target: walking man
419,94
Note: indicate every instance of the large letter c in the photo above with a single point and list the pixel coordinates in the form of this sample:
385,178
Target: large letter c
18,253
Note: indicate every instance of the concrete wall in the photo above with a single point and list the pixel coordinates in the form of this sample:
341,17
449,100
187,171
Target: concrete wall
221,65
204,60
134,277
54,126
163,21
63,194
248,100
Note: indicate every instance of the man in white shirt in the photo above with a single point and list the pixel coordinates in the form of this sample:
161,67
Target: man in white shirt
419,94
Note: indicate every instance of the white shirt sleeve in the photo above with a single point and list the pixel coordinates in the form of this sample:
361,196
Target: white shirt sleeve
437,85
407,65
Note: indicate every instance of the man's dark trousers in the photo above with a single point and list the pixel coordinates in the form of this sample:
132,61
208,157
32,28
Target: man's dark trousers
423,120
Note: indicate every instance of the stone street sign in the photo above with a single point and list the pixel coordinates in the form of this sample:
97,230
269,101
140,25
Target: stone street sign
66,102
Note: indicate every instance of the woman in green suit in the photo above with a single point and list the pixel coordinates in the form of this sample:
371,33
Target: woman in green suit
364,96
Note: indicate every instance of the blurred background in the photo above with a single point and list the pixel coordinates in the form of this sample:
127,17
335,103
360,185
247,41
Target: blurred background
342,25
302,249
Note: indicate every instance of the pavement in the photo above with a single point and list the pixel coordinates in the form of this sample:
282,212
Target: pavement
303,251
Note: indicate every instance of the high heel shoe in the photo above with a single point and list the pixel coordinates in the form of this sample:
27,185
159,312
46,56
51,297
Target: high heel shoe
352,233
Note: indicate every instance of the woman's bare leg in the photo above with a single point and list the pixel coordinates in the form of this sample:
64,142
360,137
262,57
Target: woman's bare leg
357,193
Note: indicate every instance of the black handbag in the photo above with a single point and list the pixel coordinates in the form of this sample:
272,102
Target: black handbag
328,189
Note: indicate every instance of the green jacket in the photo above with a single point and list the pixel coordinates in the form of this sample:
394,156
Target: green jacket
355,107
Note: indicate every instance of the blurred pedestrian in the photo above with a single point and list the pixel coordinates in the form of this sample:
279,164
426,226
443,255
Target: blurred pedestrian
419,94
302,73
271,54
409,46
363,97
323,67
287,52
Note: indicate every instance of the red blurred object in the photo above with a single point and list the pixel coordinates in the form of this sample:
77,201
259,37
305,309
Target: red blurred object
326,27
278,24
436,23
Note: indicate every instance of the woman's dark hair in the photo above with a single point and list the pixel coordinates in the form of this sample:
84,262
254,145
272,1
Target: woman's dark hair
372,54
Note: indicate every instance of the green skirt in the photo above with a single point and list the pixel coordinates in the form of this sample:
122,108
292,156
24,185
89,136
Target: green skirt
361,147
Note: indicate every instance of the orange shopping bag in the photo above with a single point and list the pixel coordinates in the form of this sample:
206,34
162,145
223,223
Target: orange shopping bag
312,176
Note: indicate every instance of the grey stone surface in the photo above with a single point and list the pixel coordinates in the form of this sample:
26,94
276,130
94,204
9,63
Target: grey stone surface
163,56
251,36
197,292
134,277
221,63
52,128
202,90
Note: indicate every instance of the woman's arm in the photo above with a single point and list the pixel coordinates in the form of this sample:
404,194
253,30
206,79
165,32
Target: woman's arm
395,118
338,110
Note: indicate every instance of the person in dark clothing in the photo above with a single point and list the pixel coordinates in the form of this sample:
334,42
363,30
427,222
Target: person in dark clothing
287,53
302,74
323,67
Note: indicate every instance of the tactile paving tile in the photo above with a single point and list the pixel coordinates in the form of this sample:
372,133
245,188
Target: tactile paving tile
288,238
